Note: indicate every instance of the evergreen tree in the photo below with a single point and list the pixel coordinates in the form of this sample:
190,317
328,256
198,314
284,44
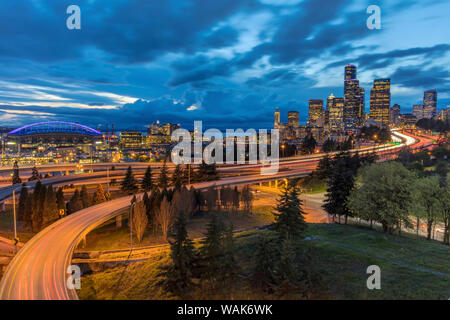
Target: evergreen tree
229,264
50,208
99,195
34,174
211,251
289,215
16,176
22,203
247,199
85,199
129,184
180,272
264,258
286,274
177,177
28,213
163,180
75,204
147,181
207,172
340,184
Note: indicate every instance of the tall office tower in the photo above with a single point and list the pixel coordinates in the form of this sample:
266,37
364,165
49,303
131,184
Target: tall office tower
418,111
276,125
380,101
293,119
350,72
354,99
335,108
315,112
429,104
394,115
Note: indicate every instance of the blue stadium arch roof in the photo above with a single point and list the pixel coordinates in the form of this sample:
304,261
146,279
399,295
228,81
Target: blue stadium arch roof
54,127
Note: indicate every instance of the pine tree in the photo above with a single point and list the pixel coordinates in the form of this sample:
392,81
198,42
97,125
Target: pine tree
264,258
75,204
22,203
27,217
16,176
147,181
99,195
212,251
85,199
129,184
163,180
60,199
286,275
207,172
179,274
289,216
50,208
34,174
229,264
177,177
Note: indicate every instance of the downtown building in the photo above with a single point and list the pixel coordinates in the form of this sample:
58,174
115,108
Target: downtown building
418,111
335,115
353,99
316,113
430,104
394,115
380,101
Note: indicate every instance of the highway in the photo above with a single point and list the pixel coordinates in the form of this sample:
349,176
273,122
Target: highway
38,271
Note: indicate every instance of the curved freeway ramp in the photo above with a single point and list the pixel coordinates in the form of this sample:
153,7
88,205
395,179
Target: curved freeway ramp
38,271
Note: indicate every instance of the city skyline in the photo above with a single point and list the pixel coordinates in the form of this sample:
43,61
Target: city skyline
231,68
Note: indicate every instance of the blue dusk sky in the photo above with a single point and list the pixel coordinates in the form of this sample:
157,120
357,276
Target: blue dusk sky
229,63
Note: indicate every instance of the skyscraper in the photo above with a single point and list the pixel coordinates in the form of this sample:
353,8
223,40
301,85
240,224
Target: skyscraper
394,115
429,104
316,112
354,99
380,101
276,124
418,111
293,119
335,108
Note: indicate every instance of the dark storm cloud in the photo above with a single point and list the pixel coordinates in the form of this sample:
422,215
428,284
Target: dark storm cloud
174,54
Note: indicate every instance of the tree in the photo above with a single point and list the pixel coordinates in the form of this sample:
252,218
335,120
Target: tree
340,183
247,199
16,176
179,273
177,177
147,181
329,145
384,195
129,184
50,208
163,180
164,216
211,251
229,264
309,144
324,168
265,255
289,216
207,172
426,194
84,195
28,213
442,170
34,174
444,210
75,204
22,203
140,220
61,203
285,274
99,195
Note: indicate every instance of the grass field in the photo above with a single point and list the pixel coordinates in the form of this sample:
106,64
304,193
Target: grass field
411,268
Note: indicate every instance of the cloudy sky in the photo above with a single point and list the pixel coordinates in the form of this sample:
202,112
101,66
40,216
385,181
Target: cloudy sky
229,63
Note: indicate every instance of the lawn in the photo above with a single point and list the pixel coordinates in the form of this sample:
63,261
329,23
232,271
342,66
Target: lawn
411,268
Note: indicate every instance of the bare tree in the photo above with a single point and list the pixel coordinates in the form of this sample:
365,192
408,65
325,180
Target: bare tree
164,216
140,220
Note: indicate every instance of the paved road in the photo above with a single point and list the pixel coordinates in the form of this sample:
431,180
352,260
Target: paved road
39,269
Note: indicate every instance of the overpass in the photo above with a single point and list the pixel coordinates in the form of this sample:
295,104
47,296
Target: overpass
38,271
